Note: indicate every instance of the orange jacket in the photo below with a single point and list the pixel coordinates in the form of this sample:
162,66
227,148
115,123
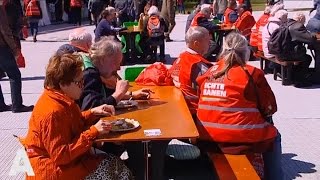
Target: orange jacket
256,35
226,16
32,9
184,72
194,21
75,3
59,139
227,109
244,23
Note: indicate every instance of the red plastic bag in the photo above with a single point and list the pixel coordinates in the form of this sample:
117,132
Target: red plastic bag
21,61
156,74
25,33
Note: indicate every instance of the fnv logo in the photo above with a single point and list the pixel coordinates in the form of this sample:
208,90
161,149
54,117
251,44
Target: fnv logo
21,163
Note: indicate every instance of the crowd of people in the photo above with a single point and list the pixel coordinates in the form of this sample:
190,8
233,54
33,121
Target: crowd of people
230,101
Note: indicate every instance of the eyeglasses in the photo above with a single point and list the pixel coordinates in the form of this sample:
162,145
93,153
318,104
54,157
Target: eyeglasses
79,83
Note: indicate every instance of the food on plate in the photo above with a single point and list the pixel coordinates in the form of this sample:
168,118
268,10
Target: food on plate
123,103
123,124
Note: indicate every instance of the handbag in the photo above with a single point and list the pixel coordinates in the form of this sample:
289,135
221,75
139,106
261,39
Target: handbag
21,61
25,33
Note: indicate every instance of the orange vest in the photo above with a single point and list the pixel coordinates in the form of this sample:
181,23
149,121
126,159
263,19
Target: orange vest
32,9
256,35
244,23
194,21
224,114
226,16
240,2
181,73
75,3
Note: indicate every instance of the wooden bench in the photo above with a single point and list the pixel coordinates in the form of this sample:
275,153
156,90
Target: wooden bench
229,167
286,68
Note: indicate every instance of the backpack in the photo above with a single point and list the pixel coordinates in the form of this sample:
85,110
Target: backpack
280,39
154,26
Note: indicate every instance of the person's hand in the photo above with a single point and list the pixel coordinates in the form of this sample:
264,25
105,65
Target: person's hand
141,16
122,87
318,36
143,93
103,127
103,110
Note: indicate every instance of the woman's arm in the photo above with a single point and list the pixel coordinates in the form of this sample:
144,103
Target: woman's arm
268,103
62,148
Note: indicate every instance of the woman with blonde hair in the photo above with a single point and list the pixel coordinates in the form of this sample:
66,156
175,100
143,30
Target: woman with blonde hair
60,136
235,107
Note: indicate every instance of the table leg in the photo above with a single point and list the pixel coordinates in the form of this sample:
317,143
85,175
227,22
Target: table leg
146,160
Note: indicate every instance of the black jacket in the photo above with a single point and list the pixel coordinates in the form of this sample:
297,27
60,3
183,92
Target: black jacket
300,34
93,95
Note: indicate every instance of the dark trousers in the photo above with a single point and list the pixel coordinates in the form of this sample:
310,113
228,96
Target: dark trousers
9,66
153,43
76,15
34,26
317,56
58,10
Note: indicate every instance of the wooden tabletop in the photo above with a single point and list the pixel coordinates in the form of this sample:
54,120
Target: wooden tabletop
130,31
165,110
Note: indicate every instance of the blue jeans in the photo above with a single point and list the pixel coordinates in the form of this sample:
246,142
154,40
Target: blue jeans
8,64
272,161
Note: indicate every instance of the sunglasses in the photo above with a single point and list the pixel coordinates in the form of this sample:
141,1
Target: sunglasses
79,83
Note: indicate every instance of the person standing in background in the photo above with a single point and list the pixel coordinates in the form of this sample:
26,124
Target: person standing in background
9,50
75,10
34,14
219,7
180,4
168,13
58,10
131,12
95,7
121,7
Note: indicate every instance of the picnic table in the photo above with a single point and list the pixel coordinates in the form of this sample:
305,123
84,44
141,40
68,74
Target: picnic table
165,110
220,34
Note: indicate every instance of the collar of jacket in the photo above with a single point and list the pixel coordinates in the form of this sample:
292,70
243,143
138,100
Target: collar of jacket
191,51
59,96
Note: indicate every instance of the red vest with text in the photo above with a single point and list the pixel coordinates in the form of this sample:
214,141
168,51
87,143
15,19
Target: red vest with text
224,114
32,9
226,16
194,21
181,74
244,23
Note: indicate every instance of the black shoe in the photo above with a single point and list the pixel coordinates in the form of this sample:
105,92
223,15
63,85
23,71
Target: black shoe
168,40
4,108
23,108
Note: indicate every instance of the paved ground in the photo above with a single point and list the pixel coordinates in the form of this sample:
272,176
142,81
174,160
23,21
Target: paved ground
298,117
